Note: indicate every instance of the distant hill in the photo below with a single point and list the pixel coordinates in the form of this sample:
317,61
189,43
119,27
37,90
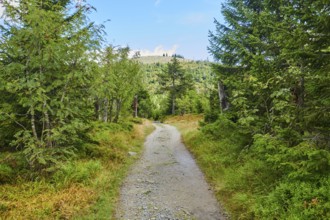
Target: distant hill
158,59
201,71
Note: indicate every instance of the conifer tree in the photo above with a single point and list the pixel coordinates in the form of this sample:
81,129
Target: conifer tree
174,80
273,56
118,82
45,51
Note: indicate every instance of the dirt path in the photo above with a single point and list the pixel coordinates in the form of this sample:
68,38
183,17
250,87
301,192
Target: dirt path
166,183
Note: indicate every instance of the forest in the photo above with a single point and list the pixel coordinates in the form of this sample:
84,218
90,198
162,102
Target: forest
73,108
271,135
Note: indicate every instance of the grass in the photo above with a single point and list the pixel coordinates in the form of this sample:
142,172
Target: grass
41,200
186,123
86,187
110,179
243,181
215,158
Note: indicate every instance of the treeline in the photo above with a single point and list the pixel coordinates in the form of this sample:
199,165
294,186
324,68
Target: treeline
272,120
56,78
179,86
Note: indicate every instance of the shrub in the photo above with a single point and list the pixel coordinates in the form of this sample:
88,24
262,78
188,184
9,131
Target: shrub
297,200
6,173
136,120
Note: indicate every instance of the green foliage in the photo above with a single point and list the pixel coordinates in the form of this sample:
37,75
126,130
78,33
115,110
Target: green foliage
119,80
145,104
222,128
46,103
55,81
272,57
176,81
84,187
178,56
263,178
194,100
296,200
136,120
301,162
77,172
6,173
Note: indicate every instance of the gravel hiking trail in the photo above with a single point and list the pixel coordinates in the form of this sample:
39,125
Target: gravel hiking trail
166,183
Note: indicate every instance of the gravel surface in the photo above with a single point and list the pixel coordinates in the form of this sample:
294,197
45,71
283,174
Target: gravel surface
166,183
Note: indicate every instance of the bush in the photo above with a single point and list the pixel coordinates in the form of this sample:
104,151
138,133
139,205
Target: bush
226,129
12,165
265,175
136,120
297,200
211,116
6,173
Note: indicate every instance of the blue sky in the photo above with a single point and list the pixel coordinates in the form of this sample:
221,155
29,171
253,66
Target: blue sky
158,26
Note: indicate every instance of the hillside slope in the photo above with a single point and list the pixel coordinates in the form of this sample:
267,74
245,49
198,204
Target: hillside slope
158,59
201,72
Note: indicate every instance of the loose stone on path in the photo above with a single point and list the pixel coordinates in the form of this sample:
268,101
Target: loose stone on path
166,183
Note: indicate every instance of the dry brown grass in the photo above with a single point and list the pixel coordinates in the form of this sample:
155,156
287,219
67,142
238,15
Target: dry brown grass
141,129
46,200
47,203
185,123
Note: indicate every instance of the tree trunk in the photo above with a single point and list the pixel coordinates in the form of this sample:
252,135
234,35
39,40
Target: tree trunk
173,104
105,109
112,101
300,103
301,94
173,95
298,92
224,105
48,128
118,108
221,95
96,107
135,106
33,124
99,103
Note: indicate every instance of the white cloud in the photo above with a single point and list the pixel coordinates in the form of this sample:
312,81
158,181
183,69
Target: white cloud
158,51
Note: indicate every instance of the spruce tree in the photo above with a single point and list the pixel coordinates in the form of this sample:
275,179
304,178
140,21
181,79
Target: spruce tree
44,68
174,80
273,56
116,85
